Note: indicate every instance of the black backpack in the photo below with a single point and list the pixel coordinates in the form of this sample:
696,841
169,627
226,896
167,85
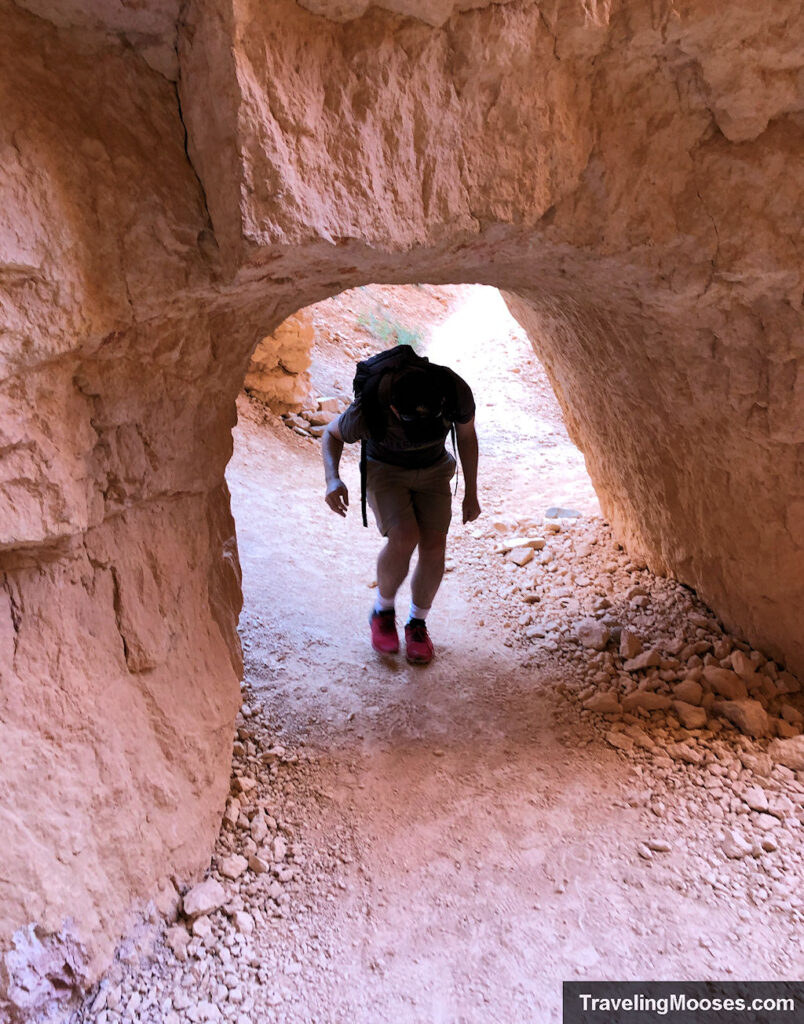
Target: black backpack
369,376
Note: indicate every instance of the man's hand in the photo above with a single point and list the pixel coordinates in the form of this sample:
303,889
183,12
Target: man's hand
471,508
337,497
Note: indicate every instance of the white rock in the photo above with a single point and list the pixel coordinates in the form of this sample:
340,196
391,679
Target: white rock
756,798
258,865
243,922
520,556
787,683
321,418
780,806
232,866
99,1002
204,1011
232,812
734,846
593,634
788,752
537,543
204,898
259,829
177,938
704,622
280,848
167,901
202,927
639,736
684,752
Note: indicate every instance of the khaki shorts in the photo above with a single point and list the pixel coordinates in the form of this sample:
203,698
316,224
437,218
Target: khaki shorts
396,495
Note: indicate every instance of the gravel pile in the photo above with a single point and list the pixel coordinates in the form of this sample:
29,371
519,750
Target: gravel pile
711,727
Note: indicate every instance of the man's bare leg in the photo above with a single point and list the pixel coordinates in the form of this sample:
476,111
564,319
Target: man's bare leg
393,561
429,569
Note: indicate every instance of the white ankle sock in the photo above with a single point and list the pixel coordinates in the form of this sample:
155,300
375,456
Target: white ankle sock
418,613
383,604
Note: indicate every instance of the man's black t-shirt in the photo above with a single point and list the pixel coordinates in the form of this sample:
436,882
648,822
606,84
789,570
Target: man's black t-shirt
396,447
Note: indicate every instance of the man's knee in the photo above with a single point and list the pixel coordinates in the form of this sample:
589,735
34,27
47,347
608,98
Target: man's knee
404,537
432,543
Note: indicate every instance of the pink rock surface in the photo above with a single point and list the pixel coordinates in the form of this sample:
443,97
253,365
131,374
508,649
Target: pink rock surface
640,210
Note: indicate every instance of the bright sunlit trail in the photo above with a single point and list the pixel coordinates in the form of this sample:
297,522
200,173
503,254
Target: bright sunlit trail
483,342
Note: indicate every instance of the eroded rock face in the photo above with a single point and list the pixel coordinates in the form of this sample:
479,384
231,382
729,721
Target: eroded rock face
119,581
277,373
633,187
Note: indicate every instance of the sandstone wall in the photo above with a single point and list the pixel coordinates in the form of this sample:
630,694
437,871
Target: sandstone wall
626,172
277,373
119,582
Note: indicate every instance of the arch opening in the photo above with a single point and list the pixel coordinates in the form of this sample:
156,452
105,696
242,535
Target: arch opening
150,237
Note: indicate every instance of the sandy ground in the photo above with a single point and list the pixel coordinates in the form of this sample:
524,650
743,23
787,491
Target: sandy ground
470,840
494,856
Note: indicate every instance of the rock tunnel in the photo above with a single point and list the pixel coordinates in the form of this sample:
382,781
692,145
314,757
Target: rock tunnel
178,178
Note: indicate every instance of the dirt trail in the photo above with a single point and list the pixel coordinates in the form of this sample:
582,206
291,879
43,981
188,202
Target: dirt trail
469,839
496,858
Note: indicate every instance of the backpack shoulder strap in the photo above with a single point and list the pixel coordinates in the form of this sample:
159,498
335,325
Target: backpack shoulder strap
363,478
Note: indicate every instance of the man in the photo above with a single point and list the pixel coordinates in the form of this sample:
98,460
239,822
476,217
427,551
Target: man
408,473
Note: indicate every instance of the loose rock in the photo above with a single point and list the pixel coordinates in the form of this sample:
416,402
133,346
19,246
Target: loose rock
630,644
204,898
734,846
725,682
520,556
648,659
233,866
620,741
756,798
689,691
604,702
691,717
593,634
684,752
748,715
789,752
647,699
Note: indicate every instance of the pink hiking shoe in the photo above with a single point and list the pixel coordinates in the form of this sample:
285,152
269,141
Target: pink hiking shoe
418,645
384,638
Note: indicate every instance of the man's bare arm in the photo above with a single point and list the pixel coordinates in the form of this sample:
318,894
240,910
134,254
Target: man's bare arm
337,495
468,452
